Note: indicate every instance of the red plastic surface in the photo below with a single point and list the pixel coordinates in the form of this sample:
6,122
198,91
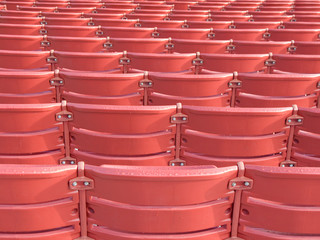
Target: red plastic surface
215,134
36,203
286,200
159,202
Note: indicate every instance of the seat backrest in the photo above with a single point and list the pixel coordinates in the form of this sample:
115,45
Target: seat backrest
196,198
279,200
104,130
37,201
222,136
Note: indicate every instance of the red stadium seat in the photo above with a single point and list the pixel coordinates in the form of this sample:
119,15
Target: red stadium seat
269,212
26,87
161,62
234,62
149,210
307,139
84,61
103,15
277,90
67,21
301,25
145,16
140,45
99,132
310,48
114,22
21,20
255,25
115,89
38,9
160,24
20,29
20,42
60,15
224,136
230,18
187,17
37,202
114,10
182,33
258,47
208,24
293,34
71,31
297,63
30,133
203,46
201,89
239,34
24,60
16,13
75,44
125,32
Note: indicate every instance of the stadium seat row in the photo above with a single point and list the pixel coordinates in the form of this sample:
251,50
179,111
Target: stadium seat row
123,62
311,35
158,135
151,45
191,202
205,89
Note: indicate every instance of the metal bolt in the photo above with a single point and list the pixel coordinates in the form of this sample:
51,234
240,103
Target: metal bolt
282,165
74,184
299,120
289,120
72,162
173,118
246,184
59,116
238,84
172,164
63,162
182,164
150,83
184,118
69,116
61,82
233,184
52,82
86,183
291,165
230,84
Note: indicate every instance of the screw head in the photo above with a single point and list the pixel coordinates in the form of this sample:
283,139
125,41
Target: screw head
289,120
282,165
61,82
69,116
72,162
173,118
59,116
172,164
182,164
299,120
238,84
86,183
63,162
52,82
74,184
246,184
233,184
184,118
291,165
